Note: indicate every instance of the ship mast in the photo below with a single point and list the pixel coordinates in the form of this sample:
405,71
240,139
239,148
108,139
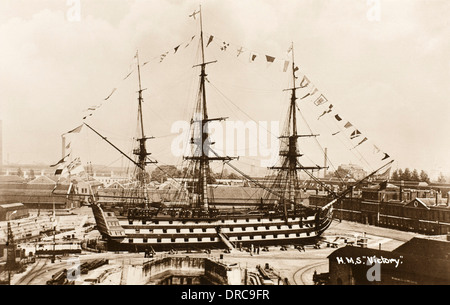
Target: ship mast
201,139
289,156
141,150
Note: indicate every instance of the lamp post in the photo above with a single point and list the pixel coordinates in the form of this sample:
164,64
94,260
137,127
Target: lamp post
54,232
11,251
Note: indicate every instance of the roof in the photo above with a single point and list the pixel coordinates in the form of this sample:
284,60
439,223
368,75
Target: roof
11,205
427,202
115,185
11,178
33,193
170,184
430,248
42,180
419,203
58,179
389,186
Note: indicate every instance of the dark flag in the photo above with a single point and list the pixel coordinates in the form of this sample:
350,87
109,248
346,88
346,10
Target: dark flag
348,125
58,171
189,42
210,40
162,56
176,49
326,111
110,94
383,185
308,94
364,140
224,46
355,134
385,156
270,58
75,130
338,117
60,161
127,75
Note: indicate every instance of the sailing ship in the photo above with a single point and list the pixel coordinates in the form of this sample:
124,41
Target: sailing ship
197,224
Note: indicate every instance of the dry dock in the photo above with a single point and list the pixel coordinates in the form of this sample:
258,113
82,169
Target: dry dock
291,266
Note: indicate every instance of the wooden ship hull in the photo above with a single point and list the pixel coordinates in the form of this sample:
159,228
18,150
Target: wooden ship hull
223,232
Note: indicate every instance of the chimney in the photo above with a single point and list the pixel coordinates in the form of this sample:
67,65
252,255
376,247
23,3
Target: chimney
438,197
402,183
325,163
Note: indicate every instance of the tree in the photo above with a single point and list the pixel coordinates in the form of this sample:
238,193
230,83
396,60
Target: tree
395,175
424,176
233,176
163,172
185,171
400,174
142,176
415,175
19,172
342,173
406,175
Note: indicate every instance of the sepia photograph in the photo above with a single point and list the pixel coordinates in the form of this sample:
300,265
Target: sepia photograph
224,148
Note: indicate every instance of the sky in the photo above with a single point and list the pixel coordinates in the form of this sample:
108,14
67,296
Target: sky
383,65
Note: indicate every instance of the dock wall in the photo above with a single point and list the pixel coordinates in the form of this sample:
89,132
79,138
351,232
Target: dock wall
169,270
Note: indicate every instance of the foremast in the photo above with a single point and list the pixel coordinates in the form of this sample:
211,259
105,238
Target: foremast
289,152
140,151
200,136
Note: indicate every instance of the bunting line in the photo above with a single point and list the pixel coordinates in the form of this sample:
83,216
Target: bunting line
112,92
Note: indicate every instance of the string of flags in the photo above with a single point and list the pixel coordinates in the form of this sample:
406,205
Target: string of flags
65,166
330,108
73,167
133,67
311,92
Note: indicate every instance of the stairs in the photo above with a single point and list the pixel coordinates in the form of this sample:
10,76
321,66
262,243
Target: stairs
225,240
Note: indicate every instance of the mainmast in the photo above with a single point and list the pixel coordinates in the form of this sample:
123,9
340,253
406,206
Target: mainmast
201,139
289,155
